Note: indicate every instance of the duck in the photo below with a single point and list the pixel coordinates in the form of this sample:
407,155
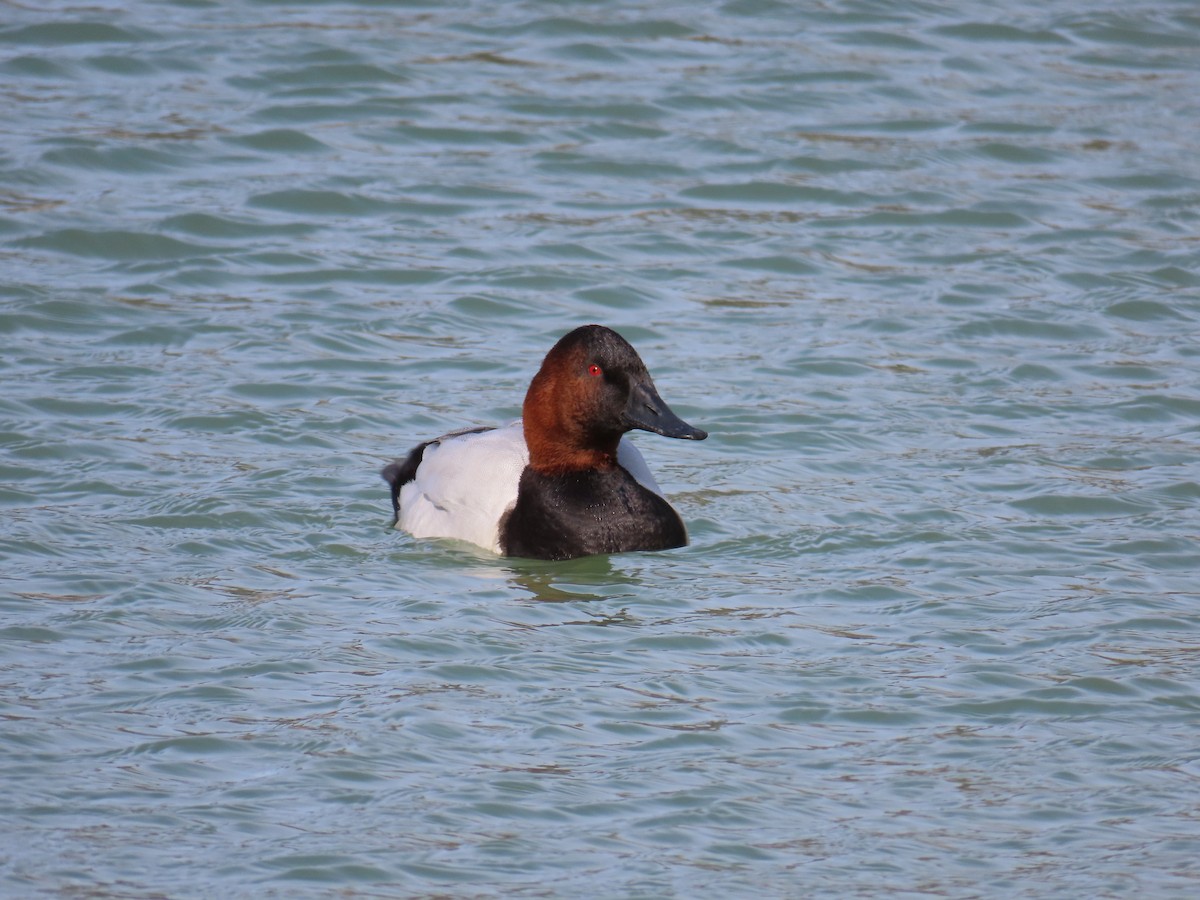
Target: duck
561,482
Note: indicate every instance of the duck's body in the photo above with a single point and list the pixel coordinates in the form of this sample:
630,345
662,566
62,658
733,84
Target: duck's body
562,482
431,497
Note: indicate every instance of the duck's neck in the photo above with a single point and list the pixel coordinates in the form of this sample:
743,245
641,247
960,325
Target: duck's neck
558,441
556,459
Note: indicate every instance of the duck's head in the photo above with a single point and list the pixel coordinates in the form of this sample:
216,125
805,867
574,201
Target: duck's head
591,389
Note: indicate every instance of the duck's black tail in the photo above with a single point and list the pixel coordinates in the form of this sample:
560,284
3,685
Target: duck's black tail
399,472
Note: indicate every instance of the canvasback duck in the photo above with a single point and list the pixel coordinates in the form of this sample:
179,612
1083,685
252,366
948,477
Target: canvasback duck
560,482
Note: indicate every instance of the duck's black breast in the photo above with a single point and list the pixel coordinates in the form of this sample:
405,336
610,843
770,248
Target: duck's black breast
586,513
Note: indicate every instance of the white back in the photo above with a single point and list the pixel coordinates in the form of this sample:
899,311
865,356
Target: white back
464,486
632,461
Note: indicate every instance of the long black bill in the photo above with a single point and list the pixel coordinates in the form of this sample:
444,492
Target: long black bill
646,410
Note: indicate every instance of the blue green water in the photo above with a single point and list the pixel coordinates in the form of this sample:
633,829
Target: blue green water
928,273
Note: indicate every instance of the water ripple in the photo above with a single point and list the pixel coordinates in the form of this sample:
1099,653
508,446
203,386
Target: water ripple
926,273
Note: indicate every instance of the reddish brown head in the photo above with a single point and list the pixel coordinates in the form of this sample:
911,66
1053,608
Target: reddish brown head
591,389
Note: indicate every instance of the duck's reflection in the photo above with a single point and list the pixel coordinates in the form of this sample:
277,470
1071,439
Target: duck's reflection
588,578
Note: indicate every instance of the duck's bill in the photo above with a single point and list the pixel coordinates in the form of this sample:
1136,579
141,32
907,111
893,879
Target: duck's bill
646,410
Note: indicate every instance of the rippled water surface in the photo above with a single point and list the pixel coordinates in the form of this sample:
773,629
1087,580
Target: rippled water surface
927,272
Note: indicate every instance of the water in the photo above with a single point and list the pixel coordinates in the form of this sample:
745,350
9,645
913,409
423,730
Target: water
927,272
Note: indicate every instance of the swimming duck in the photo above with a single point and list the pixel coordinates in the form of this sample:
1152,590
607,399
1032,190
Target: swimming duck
560,482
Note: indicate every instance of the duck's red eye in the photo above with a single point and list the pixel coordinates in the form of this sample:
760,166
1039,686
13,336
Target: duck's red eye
595,371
